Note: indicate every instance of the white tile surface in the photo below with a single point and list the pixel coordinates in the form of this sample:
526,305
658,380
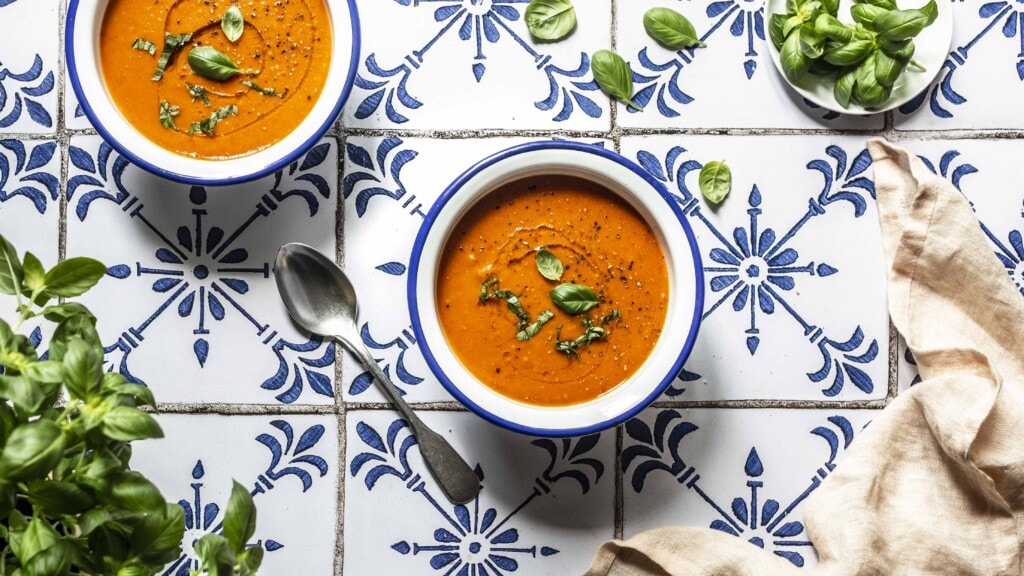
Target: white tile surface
28,66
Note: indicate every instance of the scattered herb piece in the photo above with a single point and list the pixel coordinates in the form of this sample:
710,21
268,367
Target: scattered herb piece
574,298
264,91
213,64
233,24
197,92
670,28
209,125
590,334
715,181
550,19
531,330
167,114
611,316
141,44
489,289
549,265
172,42
614,76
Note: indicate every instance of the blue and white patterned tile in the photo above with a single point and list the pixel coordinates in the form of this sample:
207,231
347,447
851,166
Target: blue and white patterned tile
458,64
189,281
544,508
743,472
74,115
389,186
28,65
982,75
731,83
288,463
795,302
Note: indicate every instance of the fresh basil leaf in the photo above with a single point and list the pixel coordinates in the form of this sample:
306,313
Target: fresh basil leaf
127,424
715,181
887,69
811,43
252,561
233,24
843,89
866,13
549,265
792,6
884,4
574,298
209,126
532,330
240,518
11,273
157,537
794,63
172,43
61,312
35,274
902,50
145,45
904,24
57,497
55,560
196,92
791,23
93,519
867,91
213,64
614,76
931,10
32,451
215,554
135,493
776,30
264,91
28,396
83,369
830,27
550,19
670,28
831,7
49,371
74,276
39,535
850,54
142,394
167,115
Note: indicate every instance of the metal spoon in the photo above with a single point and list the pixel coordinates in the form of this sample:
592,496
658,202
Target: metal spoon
321,299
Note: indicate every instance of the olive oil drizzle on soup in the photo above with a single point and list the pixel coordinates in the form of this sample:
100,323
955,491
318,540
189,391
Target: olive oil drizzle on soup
603,243
287,43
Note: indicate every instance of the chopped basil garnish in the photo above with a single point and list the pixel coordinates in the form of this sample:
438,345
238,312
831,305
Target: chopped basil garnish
197,92
167,114
213,64
233,24
209,125
590,334
172,42
264,91
489,289
141,44
531,330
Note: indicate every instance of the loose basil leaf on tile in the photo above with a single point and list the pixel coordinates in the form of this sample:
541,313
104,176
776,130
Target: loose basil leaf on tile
670,28
843,89
794,63
233,23
549,265
531,330
614,76
74,276
550,19
145,45
172,42
574,298
715,181
213,64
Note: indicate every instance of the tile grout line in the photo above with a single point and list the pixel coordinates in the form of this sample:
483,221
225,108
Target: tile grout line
63,138
339,399
339,521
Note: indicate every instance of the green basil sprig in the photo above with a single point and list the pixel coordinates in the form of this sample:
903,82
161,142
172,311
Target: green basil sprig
209,126
715,181
167,115
671,29
549,265
614,76
550,19
233,23
172,43
213,64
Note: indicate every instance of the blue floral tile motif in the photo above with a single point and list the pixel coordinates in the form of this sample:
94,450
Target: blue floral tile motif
28,101
26,173
489,535
486,39
19,93
204,273
754,268
668,456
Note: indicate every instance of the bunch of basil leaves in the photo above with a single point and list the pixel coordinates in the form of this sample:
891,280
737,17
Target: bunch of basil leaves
69,504
865,57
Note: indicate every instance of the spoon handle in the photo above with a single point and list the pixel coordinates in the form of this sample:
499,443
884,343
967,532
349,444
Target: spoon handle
458,481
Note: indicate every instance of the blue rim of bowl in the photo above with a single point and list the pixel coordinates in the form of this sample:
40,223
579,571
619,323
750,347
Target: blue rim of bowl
170,175
454,188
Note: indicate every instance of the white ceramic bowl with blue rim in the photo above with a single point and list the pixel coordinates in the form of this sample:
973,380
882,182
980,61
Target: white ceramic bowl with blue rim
647,195
82,46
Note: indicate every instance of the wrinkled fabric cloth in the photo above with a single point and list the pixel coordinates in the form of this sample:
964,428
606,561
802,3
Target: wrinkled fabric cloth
935,484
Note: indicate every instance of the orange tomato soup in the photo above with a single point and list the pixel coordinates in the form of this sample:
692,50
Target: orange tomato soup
287,44
602,242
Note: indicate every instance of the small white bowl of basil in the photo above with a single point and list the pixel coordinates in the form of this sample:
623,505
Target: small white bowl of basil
861,57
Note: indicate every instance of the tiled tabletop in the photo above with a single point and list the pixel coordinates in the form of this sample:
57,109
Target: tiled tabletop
796,354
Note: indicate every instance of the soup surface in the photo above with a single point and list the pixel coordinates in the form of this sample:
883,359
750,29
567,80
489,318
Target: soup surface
601,242
286,45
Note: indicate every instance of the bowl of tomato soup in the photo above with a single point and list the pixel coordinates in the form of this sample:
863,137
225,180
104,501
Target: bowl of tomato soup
555,288
212,91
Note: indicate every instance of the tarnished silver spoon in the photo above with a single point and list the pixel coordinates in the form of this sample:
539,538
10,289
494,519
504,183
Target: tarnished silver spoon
321,299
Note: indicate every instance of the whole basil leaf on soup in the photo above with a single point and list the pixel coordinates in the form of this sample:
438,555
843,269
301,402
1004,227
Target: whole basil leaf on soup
549,265
213,64
670,28
715,181
614,76
233,23
550,19
574,298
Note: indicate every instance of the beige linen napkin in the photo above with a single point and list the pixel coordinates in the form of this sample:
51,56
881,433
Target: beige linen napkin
935,484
